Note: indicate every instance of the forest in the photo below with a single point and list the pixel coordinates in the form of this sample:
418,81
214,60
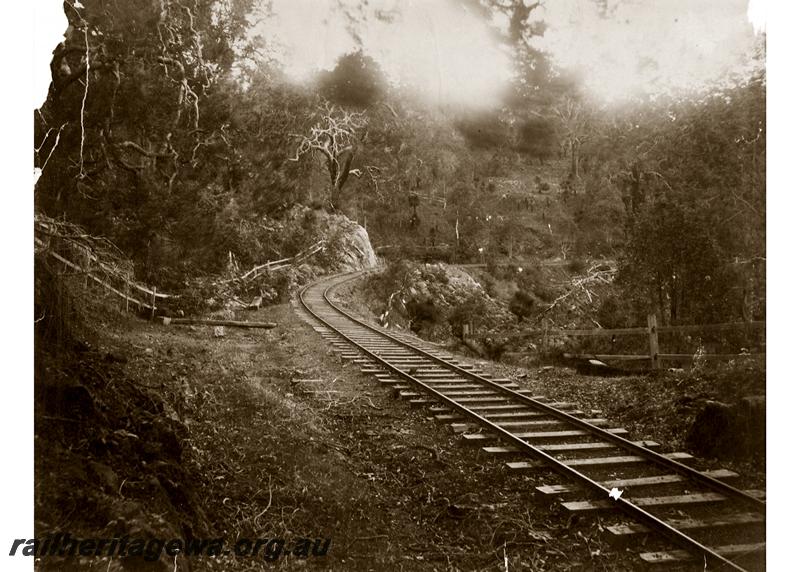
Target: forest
172,130
526,190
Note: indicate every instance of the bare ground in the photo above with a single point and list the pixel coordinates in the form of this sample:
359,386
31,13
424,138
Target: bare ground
246,451
254,455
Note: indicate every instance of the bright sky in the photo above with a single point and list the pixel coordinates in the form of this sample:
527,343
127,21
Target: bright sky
449,54
445,52
650,46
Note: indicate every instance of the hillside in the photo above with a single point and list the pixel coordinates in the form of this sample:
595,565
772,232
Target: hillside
517,190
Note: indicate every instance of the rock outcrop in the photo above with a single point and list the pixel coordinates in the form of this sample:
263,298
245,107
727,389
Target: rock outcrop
348,247
731,431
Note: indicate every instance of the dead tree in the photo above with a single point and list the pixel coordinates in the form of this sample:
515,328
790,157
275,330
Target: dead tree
574,120
336,136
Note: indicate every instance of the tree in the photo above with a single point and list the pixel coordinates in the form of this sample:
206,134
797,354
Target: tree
135,122
675,257
483,130
575,129
336,137
537,137
356,81
697,242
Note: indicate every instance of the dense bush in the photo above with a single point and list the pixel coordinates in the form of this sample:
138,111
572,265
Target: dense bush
522,305
423,314
472,310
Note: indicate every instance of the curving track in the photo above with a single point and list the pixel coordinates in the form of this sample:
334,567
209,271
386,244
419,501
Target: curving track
697,515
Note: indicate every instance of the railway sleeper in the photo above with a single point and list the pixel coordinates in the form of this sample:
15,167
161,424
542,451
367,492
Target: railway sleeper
349,354
399,387
447,378
510,415
550,491
468,401
445,383
406,363
667,501
442,376
411,361
455,393
461,427
728,551
563,406
565,448
595,462
442,409
622,533
482,438
438,384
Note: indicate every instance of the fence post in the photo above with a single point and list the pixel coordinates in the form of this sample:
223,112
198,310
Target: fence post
153,309
652,330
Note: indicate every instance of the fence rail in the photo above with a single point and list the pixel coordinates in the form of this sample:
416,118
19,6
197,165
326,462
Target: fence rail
652,330
153,294
102,283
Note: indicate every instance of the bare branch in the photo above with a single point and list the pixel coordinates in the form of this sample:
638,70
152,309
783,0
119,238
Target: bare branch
139,149
335,136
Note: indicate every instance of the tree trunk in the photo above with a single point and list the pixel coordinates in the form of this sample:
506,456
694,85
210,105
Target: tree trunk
660,299
573,146
673,304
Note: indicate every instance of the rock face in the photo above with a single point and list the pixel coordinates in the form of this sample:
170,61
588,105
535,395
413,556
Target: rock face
348,248
347,245
731,431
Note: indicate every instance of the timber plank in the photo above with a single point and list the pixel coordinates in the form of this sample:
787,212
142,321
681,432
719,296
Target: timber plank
673,500
683,556
596,462
636,482
623,531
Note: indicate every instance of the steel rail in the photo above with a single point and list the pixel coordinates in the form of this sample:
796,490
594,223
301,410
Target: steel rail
673,534
651,455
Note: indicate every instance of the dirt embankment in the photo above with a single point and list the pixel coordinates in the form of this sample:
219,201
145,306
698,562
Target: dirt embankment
147,430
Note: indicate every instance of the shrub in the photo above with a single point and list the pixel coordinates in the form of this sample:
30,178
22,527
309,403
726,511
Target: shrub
422,313
522,305
473,309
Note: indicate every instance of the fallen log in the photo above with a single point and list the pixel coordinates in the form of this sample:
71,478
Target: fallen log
231,323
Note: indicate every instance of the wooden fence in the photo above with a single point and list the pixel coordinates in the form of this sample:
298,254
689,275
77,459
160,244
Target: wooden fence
652,330
152,294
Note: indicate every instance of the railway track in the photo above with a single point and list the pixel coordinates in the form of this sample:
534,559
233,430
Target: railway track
688,517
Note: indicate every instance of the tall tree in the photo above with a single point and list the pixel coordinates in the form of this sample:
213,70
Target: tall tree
135,122
336,137
356,81
576,128
698,238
